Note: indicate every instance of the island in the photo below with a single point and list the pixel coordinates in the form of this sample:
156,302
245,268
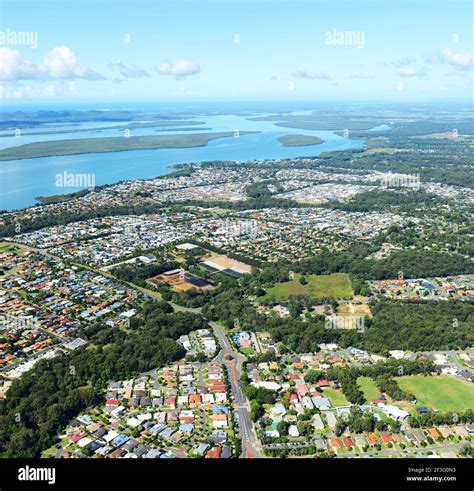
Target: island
299,140
111,144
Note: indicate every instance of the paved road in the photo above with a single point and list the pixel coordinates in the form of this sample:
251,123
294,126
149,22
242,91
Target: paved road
59,452
201,383
241,404
452,356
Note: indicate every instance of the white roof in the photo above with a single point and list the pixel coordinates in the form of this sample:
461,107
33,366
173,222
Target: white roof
84,441
395,411
110,435
293,431
186,246
267,385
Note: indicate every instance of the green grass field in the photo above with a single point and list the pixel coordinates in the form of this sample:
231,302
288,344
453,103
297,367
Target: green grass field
246,350
336,285
368,387
336,396
442,393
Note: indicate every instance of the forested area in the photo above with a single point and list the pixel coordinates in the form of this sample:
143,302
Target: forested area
408,201
420,326
412,263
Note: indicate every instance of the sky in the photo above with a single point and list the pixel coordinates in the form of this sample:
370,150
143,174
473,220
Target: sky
117,50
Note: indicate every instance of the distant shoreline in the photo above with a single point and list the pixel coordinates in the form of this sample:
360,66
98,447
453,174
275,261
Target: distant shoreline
129,126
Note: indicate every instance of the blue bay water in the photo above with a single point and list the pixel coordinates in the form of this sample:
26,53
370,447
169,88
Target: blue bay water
21,181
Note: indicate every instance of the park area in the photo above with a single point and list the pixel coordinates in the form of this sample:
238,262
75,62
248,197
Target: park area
336,397
337,285
442,393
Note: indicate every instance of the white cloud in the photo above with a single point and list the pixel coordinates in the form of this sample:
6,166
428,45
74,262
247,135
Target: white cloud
463,61
59,63
312,75
12,67
178,68
128,71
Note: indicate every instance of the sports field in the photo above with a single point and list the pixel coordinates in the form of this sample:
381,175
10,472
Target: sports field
337,285
442,393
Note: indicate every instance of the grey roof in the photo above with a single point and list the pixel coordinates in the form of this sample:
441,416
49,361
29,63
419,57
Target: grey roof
321,402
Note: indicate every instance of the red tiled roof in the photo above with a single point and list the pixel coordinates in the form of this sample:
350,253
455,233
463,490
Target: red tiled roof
302,389
76,437
386,438
348,441
322,383
214,453
334,442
